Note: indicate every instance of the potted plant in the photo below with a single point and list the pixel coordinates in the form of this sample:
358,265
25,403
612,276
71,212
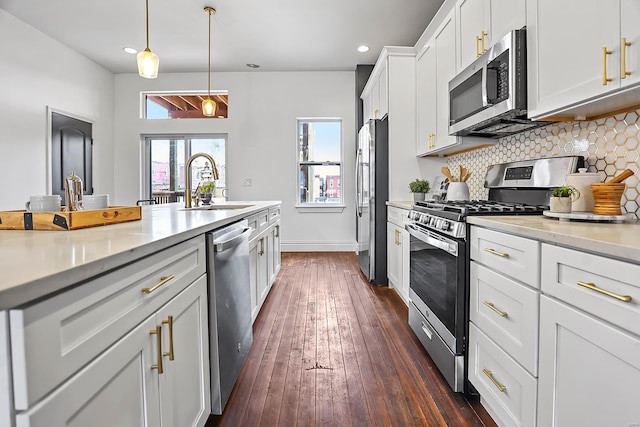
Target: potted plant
419,187
206,190
561,198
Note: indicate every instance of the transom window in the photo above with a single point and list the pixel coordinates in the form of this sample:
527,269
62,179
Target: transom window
319,161
183,105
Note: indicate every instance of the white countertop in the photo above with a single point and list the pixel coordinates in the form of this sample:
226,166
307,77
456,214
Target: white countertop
620,241
400,204
38,263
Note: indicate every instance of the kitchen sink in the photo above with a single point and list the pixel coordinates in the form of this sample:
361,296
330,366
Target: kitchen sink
218,207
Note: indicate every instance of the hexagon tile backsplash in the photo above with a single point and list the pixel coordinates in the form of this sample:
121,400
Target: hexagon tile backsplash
609,146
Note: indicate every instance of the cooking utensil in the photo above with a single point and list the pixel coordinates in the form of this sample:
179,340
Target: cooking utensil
447,173
460,172
464,174
624,175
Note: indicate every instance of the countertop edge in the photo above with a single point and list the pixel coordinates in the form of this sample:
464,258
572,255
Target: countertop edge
400,204
19,294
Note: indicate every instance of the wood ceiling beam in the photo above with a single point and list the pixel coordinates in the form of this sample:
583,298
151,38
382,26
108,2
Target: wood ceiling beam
176,102
161,102
191,100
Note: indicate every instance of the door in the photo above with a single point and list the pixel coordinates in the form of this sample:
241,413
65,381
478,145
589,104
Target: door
426,98
184,385
630,10
589,370
471,30
71,151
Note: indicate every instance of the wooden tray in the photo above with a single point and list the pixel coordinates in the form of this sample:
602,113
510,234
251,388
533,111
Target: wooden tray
23,220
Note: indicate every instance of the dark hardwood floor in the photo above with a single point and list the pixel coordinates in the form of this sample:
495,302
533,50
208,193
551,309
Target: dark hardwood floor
330,349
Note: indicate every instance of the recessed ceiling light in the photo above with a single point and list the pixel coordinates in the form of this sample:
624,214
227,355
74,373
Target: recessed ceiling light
253,66
129,50
363,48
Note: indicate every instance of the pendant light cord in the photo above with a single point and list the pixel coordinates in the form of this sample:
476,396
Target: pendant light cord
147,13
209,82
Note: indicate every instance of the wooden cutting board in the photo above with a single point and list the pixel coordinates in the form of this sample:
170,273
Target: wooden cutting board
65,221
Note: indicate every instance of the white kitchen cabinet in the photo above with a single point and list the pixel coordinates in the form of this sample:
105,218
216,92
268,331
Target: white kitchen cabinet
426,92
71,329
398,251
124,386
570,60
443,44
481,23
264,255
383,94
589,370
6,409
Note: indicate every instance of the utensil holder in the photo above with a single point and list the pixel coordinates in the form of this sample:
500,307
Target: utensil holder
606,198
458,191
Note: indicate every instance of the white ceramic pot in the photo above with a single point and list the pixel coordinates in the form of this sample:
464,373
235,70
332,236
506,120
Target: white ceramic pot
582,182
560,204
458,191
417,197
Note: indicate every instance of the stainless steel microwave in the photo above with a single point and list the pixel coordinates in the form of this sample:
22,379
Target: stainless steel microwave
489,97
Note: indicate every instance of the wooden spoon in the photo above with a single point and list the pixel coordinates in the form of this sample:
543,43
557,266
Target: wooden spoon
461,170
447,173
467,174
624,175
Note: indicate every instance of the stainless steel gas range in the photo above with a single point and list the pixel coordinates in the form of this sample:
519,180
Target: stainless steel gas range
439,254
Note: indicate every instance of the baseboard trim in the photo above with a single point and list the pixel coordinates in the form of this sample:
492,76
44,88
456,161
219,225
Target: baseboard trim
317,247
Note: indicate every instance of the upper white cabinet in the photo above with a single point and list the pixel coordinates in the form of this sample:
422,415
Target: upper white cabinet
481,23
376,99
436,66
575,65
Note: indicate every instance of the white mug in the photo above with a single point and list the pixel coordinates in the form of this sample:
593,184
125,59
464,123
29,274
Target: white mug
95,201
44,203
458,191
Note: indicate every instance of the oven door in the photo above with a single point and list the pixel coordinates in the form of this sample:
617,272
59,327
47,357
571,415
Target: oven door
437,281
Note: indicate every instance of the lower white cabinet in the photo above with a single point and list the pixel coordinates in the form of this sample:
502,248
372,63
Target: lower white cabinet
398,241
6,411
157,374
589,370
264,256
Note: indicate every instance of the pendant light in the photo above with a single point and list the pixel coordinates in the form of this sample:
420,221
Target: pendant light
208,105
148,61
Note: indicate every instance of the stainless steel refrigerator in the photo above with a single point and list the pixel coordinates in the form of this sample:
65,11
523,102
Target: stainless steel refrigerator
372,192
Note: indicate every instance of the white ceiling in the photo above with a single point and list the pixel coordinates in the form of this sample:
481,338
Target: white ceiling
296,35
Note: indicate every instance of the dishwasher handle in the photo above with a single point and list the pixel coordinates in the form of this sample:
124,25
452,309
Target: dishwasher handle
225,242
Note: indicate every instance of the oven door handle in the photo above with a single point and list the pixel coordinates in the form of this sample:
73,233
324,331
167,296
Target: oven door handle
416,232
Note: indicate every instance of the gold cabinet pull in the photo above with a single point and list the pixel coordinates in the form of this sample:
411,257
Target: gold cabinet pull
605,79
431,142
624,298
261,252
624,44
169,322
499,386
375,114
494,308
158,333
478,38
397,236
277,231
163,280
493,251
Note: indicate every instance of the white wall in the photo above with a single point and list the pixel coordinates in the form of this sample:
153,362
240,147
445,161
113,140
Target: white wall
37,72
261,128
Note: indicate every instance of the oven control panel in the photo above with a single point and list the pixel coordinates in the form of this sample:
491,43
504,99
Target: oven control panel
444,225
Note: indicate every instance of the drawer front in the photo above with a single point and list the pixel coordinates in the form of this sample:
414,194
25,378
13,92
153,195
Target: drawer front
54,338
396,215
258,222
274,214
515,405
507,312
513,256
563,269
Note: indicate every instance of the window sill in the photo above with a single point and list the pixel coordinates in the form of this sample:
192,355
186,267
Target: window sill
320,208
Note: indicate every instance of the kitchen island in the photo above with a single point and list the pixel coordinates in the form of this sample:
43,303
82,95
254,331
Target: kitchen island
115,317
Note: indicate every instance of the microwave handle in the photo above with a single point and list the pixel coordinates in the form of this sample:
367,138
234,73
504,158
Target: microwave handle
485,100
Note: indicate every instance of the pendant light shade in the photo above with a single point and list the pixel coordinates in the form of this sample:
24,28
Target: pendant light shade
148,61
208,105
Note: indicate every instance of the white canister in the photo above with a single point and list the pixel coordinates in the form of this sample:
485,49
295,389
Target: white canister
582,182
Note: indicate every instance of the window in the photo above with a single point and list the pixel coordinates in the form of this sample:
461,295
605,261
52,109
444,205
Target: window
166,157
183,105
319,161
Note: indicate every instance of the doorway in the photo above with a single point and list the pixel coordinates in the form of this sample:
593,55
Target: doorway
71,152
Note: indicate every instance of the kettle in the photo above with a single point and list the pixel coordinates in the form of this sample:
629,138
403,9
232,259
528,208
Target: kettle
73,191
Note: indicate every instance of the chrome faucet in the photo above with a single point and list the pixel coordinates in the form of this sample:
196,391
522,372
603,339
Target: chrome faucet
187,178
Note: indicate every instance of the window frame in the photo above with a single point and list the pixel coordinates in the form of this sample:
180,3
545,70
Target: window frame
314,206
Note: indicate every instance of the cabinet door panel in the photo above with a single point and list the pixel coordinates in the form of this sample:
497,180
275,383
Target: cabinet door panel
185,398
470,25
557,78
445,42
505,16
426,95
394,256
589,370
119,389
630,11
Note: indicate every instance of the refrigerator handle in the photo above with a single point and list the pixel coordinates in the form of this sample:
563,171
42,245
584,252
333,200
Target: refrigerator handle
358,183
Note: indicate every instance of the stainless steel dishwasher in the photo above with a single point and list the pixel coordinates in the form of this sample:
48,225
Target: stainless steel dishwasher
230,334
